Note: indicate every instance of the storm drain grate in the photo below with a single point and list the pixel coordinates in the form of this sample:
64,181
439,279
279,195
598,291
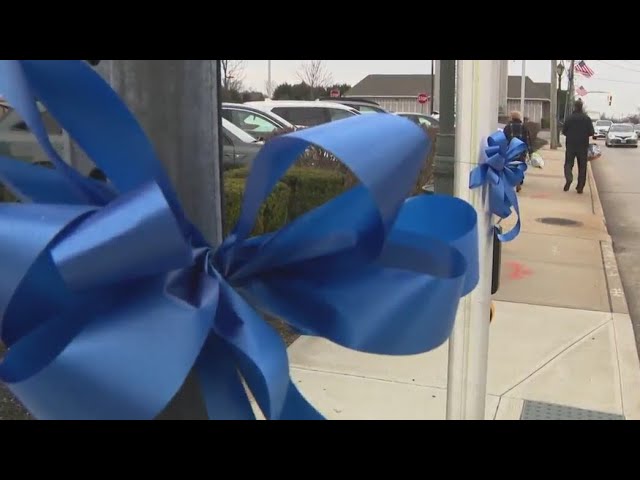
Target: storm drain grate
550,411
564,222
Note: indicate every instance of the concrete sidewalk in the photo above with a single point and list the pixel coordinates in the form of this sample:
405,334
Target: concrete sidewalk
561,344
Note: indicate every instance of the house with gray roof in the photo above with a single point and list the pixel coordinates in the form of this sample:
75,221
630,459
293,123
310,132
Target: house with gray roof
395,92
537,98
399,93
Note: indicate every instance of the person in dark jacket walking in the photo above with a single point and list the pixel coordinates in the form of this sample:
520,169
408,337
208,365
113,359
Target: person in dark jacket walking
577,129
516,129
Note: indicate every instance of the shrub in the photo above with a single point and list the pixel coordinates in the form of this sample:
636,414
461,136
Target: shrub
534,129
5,195
316,178
538,143
312,187
272,215
426,172
309,187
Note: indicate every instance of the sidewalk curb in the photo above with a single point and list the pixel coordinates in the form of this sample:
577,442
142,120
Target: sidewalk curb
626,350
617,298
596,204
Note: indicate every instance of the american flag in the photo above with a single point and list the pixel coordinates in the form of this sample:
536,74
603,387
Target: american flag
583,69
581,91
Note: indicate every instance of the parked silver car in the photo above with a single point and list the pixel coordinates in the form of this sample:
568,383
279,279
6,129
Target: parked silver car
621,134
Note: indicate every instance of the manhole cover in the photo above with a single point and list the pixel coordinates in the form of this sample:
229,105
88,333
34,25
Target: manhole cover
549,411
565,222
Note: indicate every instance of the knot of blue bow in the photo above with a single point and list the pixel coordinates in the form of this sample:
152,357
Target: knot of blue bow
110,297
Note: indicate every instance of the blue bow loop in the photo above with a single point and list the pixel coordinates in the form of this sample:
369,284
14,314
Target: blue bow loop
110,297
502,171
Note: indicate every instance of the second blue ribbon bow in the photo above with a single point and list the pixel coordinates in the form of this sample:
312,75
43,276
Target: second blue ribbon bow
502,172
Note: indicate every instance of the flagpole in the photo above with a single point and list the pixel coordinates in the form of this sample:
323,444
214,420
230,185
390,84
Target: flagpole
522,90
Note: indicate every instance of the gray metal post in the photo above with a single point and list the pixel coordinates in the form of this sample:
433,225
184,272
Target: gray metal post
436,87
445,145
177,103
503,78
554,106
433,94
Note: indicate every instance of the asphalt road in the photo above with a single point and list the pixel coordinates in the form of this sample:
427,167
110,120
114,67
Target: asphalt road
617,175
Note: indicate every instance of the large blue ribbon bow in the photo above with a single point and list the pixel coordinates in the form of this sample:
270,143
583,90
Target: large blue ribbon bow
503,172
109,296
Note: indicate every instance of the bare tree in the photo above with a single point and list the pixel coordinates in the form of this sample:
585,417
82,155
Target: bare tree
232,74
269,87
315,74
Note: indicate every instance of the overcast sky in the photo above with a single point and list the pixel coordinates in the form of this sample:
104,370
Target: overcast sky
621,78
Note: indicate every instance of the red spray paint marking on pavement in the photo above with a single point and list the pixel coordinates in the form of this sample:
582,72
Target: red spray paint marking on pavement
518,271
541,195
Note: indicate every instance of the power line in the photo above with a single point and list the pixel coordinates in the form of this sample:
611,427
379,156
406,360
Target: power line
614,80
618,66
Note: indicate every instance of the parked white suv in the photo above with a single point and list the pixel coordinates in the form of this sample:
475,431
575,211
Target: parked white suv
305,113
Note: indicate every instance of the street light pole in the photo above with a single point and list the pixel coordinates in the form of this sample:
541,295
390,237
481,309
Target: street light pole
554,106
569,96
522,88
476,119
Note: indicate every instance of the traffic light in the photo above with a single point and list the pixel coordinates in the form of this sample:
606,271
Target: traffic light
610,98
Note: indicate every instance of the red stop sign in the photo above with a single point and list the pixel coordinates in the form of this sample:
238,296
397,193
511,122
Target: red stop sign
423,98
335,93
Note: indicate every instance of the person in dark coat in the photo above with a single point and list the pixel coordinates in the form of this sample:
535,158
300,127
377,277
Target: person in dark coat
516,129
577,129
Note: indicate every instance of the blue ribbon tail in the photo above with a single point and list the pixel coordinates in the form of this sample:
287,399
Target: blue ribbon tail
296,407
224,393
515,231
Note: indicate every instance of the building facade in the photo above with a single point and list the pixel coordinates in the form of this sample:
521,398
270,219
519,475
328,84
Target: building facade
399,93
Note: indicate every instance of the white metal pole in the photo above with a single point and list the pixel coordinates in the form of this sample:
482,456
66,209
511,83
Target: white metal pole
522,85
269,87
476,118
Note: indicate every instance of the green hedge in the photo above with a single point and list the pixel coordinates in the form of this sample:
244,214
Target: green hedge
273,213
311,187
307,188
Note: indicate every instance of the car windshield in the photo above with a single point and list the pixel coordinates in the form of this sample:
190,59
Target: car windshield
603,123
622,128
238,132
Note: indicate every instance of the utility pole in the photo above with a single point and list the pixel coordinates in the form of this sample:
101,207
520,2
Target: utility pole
436,87
570,88
522,87
445,145
554,105
503,88
433,80
185,132
477,106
